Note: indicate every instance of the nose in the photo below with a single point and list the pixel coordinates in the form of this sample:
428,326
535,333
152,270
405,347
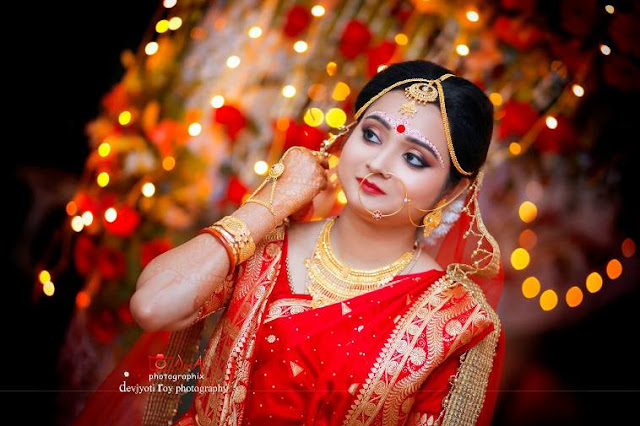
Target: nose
378,164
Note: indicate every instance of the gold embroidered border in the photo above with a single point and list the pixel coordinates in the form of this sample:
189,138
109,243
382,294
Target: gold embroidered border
285,307
376,387
464,402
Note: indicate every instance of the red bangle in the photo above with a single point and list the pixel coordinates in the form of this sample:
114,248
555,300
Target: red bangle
225,244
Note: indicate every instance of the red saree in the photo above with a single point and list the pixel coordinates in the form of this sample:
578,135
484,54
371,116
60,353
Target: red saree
385,357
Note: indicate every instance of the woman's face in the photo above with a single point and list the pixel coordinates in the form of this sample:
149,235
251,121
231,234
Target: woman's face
385,141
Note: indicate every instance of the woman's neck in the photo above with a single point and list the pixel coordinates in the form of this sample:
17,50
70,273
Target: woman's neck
366,245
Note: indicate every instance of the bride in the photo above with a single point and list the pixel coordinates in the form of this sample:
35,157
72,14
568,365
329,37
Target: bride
383,314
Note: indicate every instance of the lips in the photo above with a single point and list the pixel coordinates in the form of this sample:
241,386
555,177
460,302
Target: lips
370,187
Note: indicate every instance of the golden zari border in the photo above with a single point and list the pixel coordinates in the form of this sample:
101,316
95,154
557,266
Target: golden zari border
282,308
424,337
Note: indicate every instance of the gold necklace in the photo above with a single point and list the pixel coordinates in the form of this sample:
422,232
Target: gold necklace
332,281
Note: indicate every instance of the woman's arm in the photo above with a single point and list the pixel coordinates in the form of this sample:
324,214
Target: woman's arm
172,287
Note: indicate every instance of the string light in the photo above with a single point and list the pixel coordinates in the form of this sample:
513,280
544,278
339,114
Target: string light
515,148
462,49
614,269
110,215
606,50
195,129
168,163
551,122
255,32
628,247
103,179
317,11
314,117
48,288
496,98
288,91
87,218
594,282
331,68
148,189
71,208
473,15
104,149
169,3
44,276
162,26
574,296
527,212
335,117
217,101
401,39
151,48
548,300
83,299
124,118
340,91
175,23
530,287
578,90
520,259
233,61
260,167
77,224
300,46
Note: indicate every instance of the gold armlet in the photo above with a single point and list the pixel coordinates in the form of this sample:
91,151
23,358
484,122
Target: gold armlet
241,240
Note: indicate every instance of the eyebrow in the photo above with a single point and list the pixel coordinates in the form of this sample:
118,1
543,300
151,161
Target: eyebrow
426,145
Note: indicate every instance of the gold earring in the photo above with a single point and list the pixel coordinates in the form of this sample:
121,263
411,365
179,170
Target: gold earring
432,219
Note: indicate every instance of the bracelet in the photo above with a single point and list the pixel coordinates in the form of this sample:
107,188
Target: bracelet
213,230
264,203
241,240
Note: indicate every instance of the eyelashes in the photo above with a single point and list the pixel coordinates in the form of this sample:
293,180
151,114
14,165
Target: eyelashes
369,135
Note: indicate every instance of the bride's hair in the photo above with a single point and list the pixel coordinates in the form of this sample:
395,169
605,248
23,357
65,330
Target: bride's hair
469,110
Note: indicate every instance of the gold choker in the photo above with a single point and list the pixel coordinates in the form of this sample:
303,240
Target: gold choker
332,281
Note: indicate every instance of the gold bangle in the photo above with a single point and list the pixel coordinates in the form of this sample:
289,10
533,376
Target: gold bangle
242,239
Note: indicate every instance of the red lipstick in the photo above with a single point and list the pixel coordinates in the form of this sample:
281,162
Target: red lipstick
370,187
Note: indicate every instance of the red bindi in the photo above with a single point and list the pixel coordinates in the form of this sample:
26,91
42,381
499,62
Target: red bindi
400,128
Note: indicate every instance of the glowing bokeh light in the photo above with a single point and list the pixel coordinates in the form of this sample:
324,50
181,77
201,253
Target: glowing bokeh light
151,48
83,299
260,167
609,9
401,39
233,61
288,91
551,122
71,208
317,10
628,247
168,163
87,218
104,149
148,189
515,148
530,287
574,296
335,117
77,224
594,282
462,49
175,23
255,32
195,129
110,215
169,3
614,269
496,98
548,300
124,118
44,276
314,117
217,101
528,212
48,288
162,26
520,259
103,179
300,46
331,68
527,239
340,91
606,50
473,15
578,90
342,198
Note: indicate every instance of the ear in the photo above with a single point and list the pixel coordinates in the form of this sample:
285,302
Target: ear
457,189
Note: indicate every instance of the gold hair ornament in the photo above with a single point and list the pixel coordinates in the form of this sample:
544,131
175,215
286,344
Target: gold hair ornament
423,91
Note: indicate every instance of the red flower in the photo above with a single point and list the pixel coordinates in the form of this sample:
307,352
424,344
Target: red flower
355,39
154,248
298,19
578,16
84,255
126,222
111,263
303,135
379,55
232,118
625,33
621,72
518,118
562,139
103,326
116,100
236,190
517,32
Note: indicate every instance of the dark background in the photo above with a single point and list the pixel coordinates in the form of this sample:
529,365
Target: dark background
60,59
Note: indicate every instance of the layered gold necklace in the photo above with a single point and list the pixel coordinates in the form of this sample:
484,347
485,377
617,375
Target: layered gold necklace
332,281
